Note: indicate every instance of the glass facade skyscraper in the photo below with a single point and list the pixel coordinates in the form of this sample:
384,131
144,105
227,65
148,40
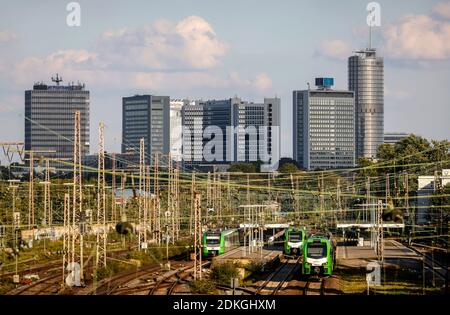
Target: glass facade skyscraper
366,79
148,117
49,119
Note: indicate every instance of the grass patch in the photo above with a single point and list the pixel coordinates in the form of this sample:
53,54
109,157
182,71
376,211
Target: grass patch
202,286
224,272
394,281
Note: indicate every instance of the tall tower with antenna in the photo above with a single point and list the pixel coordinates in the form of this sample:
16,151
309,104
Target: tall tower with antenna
366,79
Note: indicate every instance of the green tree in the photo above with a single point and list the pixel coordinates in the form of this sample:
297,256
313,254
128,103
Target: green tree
245,167
412,150
386,152
288,168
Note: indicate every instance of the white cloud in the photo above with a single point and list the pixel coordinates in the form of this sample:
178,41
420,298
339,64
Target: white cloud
161,56
442,9
189,44
70,62
7,36
261,82
334,49
418,37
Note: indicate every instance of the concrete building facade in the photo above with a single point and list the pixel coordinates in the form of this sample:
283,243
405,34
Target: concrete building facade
224,124
176,126
324,127
49,119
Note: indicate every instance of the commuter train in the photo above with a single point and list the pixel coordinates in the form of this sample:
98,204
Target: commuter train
319,255
294,239
217,242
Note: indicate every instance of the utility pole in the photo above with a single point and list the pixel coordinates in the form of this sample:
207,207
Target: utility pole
294,196
113,189
100,258
338,197
77,201
388,189
297,199
248,189
141,193
66,236
177,200
379,226
147,203
15,226
218,188
406,187
47,209
367,199
321,197
208,195
31,192
123,181
197,237
229,207
170,217
157,203
192,212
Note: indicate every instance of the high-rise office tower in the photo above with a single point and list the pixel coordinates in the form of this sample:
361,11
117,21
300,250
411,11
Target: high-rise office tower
236,130
176,106
208,120
192,142
257,131
365,78
148,117
324,127
49,118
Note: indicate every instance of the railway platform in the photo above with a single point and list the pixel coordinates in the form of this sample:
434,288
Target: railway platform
245,255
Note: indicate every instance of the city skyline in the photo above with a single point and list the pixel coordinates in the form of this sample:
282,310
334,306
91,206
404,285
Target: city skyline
205,66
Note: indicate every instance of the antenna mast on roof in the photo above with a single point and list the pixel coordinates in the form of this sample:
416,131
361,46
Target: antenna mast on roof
57,80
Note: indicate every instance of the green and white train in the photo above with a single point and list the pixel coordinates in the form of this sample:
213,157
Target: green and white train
217,242
319,256
294,239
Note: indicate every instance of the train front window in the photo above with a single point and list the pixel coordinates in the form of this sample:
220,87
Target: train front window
212,240
318,250
295,237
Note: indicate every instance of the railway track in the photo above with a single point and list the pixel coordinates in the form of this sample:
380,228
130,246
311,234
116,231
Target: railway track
314,287
147,281
167,284
437,268
45,286
278,278
110,286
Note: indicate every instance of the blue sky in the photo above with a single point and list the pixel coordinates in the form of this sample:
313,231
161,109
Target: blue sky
217,49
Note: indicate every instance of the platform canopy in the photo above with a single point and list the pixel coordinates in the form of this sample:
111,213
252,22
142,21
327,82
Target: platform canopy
369,225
